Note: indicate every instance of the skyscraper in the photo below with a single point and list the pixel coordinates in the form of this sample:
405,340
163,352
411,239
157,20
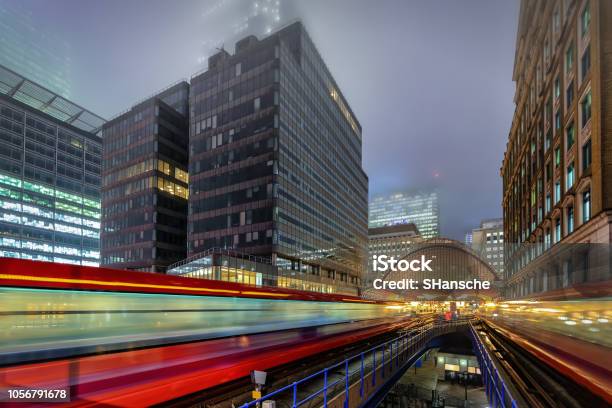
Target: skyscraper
144,190
419,207
227,21
50,157
275,160
38,55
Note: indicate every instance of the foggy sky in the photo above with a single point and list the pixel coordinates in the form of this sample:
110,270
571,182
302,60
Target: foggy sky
429,80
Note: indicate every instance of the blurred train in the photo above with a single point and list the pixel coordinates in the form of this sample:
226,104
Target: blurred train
53,310
136,339
573,336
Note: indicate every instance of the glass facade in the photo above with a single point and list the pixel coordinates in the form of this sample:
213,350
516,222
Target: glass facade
275,160
32,51
416,207
145,183
49,176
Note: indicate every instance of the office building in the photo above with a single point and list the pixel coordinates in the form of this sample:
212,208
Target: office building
488,242
558,161
419,207
225,22
144,183
33,52
392,240
50,158
275,160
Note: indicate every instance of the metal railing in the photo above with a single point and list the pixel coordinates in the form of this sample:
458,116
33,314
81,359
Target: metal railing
366,371
498,393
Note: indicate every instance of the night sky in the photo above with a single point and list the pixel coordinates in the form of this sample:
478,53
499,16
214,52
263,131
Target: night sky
429,80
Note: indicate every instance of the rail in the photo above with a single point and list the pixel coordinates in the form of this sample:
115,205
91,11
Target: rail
362,374
498,393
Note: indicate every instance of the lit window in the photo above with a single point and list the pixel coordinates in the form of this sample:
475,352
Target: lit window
586,206
570,176
570,219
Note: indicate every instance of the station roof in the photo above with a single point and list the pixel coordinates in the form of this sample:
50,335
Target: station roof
40,98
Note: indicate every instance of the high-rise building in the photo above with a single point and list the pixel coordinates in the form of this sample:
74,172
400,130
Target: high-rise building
275,160
419,207
225,22
50,158
488,242
144,184
558,163
26,48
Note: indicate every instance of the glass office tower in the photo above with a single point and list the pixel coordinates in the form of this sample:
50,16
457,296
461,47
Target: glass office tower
419,207
31,50
275,160
50,158
144,188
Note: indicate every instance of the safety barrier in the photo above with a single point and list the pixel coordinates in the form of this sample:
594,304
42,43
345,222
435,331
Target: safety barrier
496,388
361,375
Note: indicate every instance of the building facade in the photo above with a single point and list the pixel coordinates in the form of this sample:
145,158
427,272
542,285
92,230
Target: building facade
37,54
558,163
275,160
488,242
144,183
392,240
50,159
419,207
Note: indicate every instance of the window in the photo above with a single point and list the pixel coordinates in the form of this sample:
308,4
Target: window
557,191
586,155
557,157
569,59
557,120
585,19
569,95
586,109
586,206
585,64
548,140
257,104
557,230
570,136
557,87
547,203
570,176
570,219
238,69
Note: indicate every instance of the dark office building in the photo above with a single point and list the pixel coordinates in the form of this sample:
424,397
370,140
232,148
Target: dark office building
50,157
144,183
275,161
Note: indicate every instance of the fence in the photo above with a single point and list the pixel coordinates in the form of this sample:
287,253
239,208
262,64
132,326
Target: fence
355,379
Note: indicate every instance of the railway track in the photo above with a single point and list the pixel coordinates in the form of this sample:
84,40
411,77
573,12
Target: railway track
539,385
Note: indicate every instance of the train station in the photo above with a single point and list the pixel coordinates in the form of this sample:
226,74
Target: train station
319,204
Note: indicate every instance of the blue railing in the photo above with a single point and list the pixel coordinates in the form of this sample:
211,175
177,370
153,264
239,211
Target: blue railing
497,391
392,355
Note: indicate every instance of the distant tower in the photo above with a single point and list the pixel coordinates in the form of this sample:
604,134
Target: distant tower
37,55
228,21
